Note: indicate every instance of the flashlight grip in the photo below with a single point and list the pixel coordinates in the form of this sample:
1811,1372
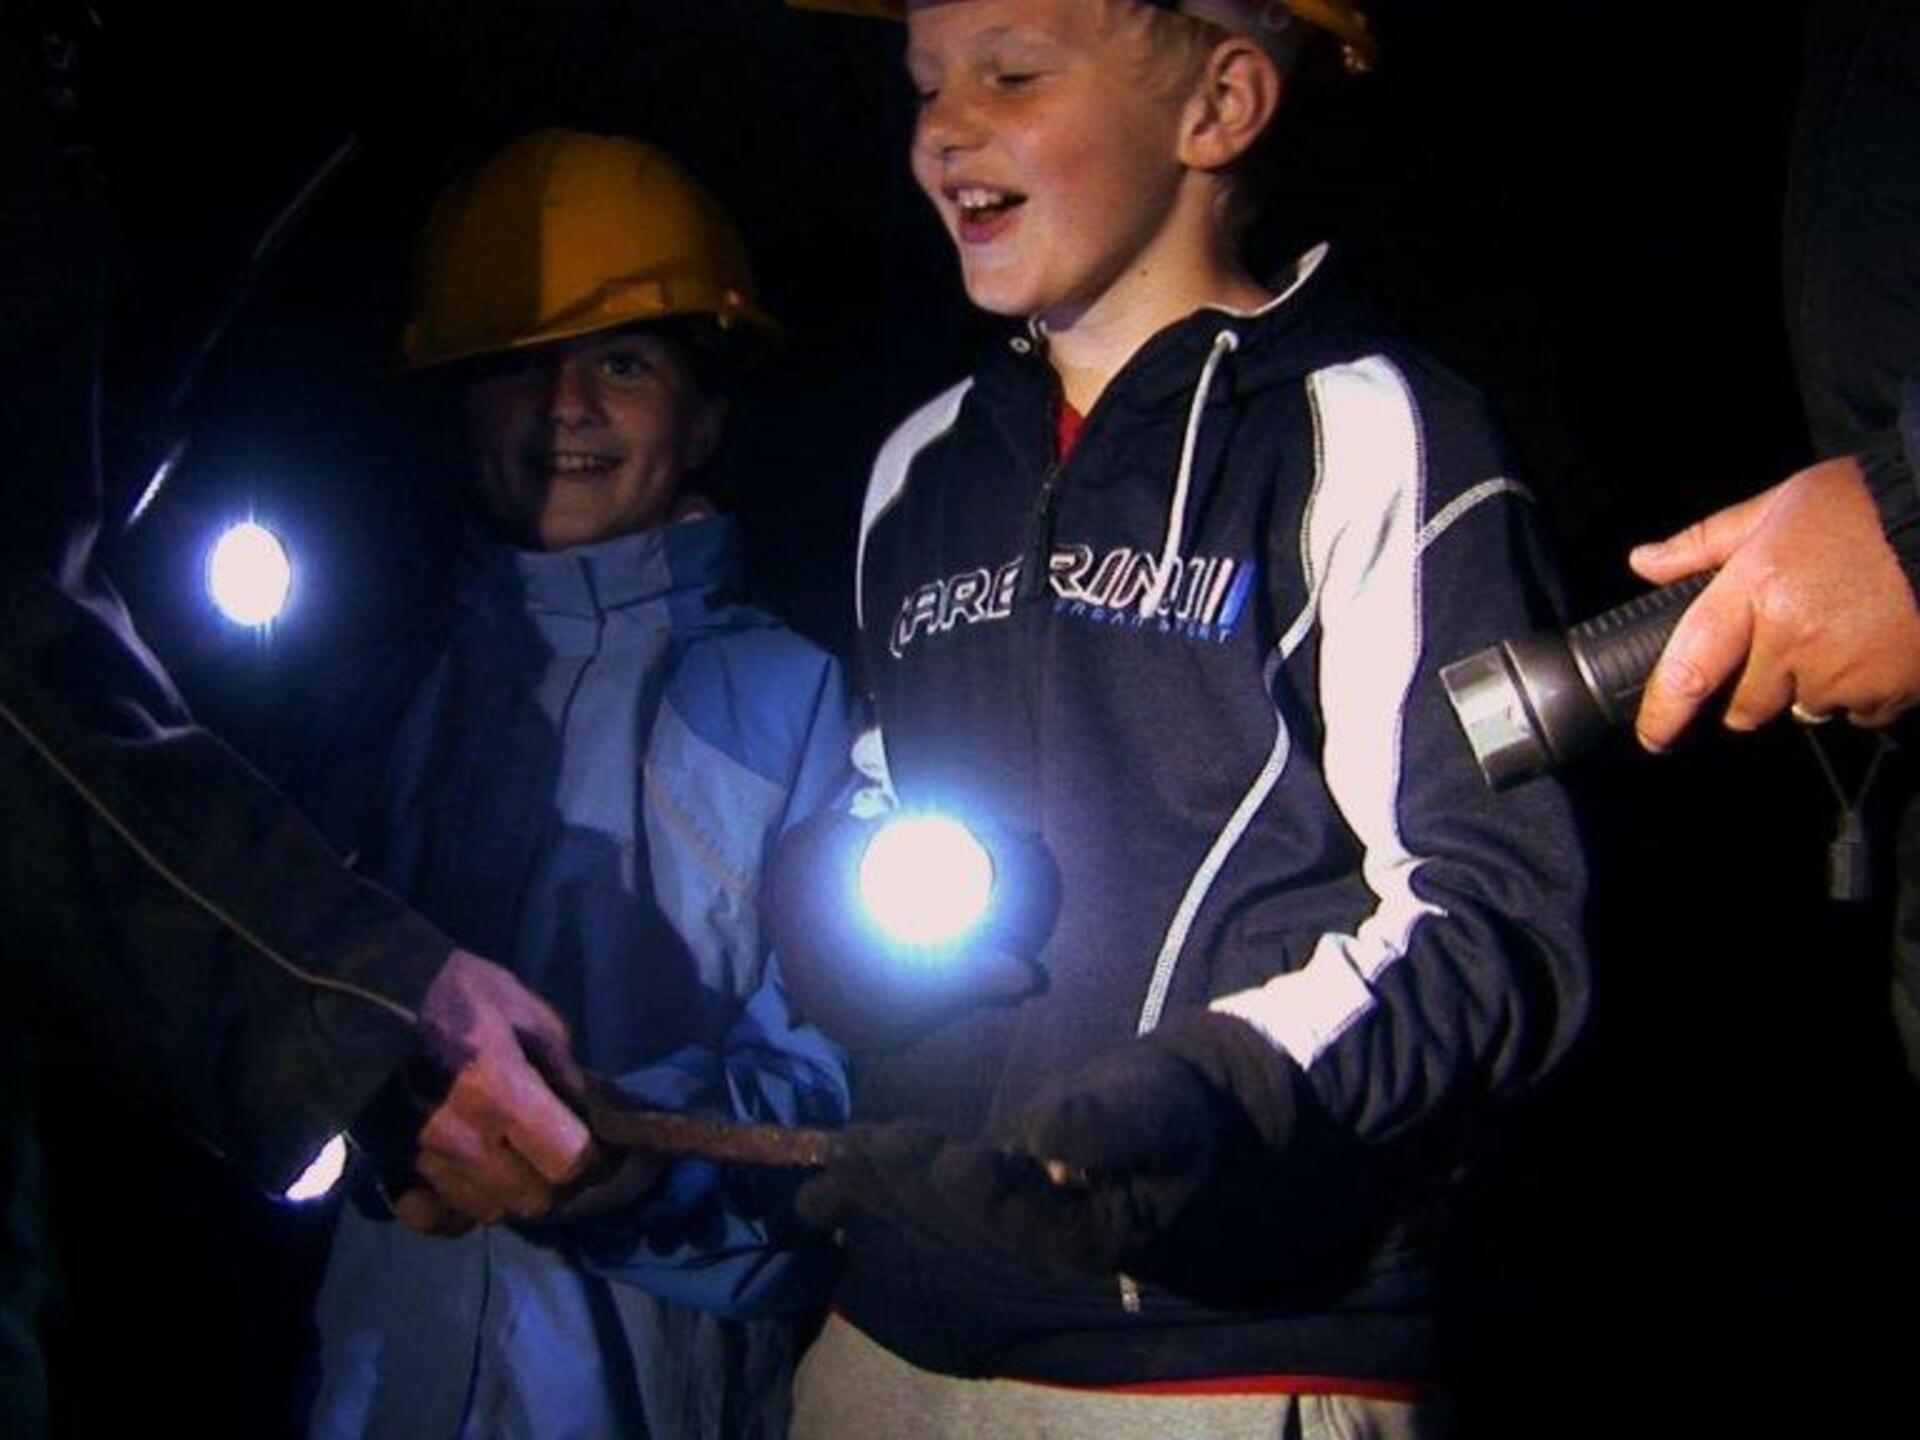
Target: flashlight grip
1535,702
1616,650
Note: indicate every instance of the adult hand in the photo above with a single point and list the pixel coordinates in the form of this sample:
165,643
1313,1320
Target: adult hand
623,1176
500,1142
1810,605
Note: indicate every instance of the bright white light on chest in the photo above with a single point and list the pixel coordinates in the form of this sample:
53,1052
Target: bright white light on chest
925,880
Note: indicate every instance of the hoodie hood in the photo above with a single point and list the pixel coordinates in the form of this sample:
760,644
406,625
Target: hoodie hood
1208,363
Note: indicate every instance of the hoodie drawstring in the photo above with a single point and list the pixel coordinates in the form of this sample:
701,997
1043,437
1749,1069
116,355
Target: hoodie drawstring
1223,342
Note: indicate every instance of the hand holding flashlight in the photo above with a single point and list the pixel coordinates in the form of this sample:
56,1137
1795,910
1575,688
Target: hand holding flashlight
1809,604
887,928
1810,607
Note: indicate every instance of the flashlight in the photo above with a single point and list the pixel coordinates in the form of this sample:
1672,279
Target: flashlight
249,575
925,880
1532,704
890,925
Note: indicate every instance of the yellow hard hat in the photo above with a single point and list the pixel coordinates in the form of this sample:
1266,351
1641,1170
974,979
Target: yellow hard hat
1342,19
564,233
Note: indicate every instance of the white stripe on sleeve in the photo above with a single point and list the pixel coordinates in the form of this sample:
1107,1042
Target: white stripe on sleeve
1361,538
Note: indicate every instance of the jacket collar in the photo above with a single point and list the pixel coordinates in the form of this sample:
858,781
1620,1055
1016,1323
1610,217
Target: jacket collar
678,568
1309,323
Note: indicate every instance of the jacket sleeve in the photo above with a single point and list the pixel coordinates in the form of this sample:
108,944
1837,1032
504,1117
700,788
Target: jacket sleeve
166,912
172,913
1464,974
726,1242
1891,463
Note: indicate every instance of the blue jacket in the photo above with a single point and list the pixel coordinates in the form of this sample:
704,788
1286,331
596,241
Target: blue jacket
585,786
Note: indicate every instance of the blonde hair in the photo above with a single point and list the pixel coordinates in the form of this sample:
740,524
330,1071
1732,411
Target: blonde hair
1176,44
1179,45
1181,36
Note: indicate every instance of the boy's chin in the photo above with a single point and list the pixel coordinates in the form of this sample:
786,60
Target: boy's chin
1022,302
1000,294
990,299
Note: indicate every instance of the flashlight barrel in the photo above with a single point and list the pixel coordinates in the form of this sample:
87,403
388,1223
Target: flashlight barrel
1533,703
1616,651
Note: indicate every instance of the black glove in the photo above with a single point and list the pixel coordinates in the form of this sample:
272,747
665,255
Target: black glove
870,994
1193,1157
965,1195
893,1175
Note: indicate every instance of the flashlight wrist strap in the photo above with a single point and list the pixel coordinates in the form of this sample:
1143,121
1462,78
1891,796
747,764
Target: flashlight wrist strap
1850,859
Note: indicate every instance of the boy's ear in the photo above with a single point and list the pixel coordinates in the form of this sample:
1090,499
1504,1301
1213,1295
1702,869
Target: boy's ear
1233,102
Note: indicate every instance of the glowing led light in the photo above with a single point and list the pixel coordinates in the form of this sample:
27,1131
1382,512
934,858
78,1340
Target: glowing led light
322,1175
248,574
925,880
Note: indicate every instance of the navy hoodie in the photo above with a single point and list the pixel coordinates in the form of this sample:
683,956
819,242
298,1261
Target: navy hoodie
1200,660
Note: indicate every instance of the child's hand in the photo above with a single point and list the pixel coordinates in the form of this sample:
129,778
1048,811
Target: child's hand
1148,1163
870,993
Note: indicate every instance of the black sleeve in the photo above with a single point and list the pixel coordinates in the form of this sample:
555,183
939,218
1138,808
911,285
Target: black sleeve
173,914
164,909
1465,976
1891,463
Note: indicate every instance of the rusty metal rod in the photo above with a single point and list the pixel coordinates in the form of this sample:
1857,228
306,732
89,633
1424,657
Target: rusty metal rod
726,1142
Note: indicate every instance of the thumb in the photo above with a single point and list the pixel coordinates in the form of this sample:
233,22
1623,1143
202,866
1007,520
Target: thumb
547,1044
544,1036
997,974
1703,544
534,1018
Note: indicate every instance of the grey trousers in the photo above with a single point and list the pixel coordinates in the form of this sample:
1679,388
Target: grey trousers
849,1388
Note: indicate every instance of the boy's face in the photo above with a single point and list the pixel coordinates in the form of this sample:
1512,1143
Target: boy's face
1047,147
586,439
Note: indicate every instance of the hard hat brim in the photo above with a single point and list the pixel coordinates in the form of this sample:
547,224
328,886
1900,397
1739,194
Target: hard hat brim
749,334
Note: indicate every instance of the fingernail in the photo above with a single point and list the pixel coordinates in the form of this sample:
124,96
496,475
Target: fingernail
1652,550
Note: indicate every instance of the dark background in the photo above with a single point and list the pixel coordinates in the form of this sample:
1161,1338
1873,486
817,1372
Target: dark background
1708,1223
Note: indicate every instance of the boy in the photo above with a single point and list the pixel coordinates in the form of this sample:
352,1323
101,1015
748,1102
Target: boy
586,780
1161,592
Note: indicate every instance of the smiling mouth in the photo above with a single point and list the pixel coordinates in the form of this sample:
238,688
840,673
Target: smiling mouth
982,209
571,464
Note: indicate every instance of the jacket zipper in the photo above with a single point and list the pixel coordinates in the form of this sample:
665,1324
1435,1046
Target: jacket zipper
1036,563
1035,572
